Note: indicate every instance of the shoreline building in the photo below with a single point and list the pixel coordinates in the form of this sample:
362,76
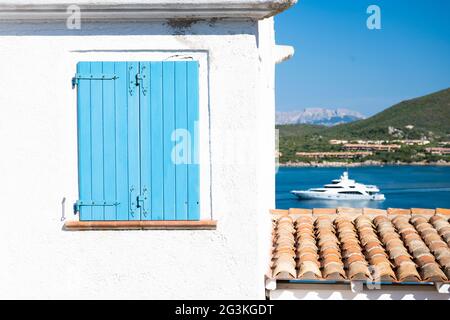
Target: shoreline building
339,155
417,142
371,147
438,151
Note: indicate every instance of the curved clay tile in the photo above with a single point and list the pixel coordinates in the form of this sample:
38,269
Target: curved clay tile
402,258
358,270
334,271
331,258
307,251
304,220
327,240
407,272
329,250
284,251
348,251
306,245
357,266
382,271
443,228
430,270
287,227
284,270
307,256
305,230
356,258
375,253
404,265
309,270
435,244
350,244
283,255
285,238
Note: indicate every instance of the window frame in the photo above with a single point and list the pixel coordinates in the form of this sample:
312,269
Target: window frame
204,115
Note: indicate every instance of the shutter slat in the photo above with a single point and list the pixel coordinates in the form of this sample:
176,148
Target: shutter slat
109,140
146,160
182,142
157,157
121,124
133,141
169,127
193,118
97,147
84,140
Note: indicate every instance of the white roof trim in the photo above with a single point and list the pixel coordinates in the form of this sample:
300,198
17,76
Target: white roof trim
283,53
142,10
356,290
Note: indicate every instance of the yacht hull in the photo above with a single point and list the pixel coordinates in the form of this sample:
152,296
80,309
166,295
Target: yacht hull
308,195
342,189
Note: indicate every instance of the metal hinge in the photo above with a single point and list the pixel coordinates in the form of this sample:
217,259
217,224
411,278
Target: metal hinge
93,203
140,82
139,201
142,201
138,79
92,76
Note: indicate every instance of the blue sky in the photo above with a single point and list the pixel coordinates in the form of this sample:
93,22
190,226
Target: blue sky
340,63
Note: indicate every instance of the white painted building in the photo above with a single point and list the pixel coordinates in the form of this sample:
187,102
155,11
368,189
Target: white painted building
40,46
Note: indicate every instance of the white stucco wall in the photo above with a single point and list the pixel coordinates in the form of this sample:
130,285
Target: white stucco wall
38,165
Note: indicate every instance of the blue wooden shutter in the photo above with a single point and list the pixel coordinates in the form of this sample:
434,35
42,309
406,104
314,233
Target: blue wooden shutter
170,109
108,141
128,117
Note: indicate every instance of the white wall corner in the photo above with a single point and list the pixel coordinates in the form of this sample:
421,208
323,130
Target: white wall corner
357,286
443,287
283,53
271,284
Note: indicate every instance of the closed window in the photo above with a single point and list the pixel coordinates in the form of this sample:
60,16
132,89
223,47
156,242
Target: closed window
350,192
137,140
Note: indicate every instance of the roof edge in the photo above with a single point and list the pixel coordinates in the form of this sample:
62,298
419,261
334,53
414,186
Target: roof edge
113,10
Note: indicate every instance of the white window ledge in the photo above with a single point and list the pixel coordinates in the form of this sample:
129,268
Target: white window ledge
140,225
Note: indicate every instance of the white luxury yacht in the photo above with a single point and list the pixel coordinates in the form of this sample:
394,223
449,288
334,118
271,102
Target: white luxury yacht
342,189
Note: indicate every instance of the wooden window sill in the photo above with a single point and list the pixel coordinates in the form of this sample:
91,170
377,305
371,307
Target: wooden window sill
140,225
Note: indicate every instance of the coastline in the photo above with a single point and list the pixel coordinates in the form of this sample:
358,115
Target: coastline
369,163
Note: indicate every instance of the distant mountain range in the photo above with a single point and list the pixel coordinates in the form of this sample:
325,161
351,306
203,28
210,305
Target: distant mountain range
318,116
423,117
426,117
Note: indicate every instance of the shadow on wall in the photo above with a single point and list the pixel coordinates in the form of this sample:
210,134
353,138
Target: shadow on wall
170,27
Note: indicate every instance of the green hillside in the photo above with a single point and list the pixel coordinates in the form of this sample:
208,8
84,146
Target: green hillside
426,117
430,113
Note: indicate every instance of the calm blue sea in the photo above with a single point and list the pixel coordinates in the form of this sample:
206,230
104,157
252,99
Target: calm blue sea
403,186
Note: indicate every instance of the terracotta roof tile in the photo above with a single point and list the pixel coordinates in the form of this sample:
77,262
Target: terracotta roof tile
374,212
442,211
344,210
420,211
323,211
404,245
396,211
